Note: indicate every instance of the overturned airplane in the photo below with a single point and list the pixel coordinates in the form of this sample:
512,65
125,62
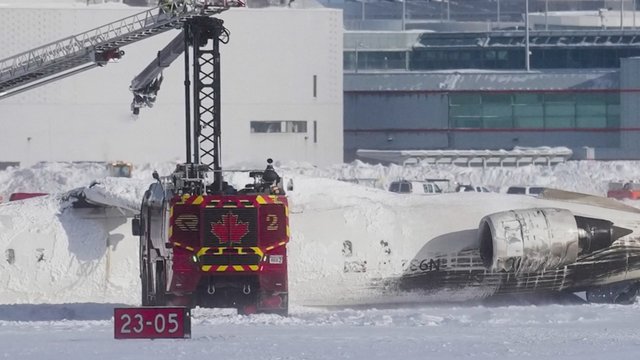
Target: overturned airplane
474,246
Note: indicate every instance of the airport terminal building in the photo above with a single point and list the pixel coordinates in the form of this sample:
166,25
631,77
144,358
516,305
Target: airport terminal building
470,90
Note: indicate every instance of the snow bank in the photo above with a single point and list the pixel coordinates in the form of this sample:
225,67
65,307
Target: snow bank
54,253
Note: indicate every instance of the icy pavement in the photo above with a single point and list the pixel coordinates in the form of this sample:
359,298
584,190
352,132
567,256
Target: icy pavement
442,332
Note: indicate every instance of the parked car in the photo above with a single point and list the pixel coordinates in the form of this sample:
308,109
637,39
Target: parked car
415,187
471,188
526,190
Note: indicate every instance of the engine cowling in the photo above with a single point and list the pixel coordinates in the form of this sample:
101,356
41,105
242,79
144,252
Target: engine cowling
532,240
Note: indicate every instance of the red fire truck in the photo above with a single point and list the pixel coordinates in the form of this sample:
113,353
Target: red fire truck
214,248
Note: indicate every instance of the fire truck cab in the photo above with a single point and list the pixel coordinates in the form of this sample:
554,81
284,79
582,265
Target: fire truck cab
223,248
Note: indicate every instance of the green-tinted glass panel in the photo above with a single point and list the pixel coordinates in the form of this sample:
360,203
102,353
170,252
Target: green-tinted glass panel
349,60
558,97
560,109
496,110
591,122
463,99
528,99
535,122
536,110
465,110
496,99
467,122
558,122
591,110
590,98
497,122
612,98
613,110
613,121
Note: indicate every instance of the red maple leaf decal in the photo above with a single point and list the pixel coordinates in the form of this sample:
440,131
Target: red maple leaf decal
230,230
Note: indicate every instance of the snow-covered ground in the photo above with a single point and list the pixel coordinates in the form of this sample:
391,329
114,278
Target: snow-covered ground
60,305
68,314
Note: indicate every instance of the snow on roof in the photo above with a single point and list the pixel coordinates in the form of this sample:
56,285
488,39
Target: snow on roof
517,156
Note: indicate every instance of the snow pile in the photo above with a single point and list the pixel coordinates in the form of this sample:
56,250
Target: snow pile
56,254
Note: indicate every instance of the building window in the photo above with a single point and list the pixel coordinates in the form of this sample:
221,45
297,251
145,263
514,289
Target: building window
374,60
551,110
278,126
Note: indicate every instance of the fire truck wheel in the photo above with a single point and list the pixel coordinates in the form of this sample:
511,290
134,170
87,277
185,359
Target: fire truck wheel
247,309
144,277
160,282
282,311
144,274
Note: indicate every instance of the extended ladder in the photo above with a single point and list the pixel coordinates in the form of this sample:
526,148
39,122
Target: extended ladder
96,47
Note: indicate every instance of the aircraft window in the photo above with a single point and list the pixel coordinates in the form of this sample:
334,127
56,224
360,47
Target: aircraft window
405,187
516,190
536,190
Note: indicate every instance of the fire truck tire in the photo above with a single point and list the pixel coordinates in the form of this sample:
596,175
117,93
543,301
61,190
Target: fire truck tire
144,276
144,280
160,284
283,311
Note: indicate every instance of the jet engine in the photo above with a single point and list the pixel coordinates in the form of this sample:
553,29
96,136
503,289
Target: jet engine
532,240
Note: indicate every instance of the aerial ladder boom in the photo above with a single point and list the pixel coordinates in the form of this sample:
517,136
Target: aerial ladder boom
145,86
99,46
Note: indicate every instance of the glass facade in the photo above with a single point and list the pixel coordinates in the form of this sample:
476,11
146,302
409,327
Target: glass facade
502,50
545,110
513,58
372,60
500,59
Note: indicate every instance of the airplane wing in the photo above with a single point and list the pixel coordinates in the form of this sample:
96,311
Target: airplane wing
587,199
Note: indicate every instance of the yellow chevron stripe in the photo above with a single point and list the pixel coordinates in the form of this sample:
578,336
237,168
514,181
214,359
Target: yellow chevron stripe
170,231
190,248
238,268
288,232
222,268
198,200
206,267
260,200
254,267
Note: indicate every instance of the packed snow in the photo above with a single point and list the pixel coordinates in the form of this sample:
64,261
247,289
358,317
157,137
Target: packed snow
64,297
64,275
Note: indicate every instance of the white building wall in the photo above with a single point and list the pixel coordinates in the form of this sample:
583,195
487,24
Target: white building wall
267,75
